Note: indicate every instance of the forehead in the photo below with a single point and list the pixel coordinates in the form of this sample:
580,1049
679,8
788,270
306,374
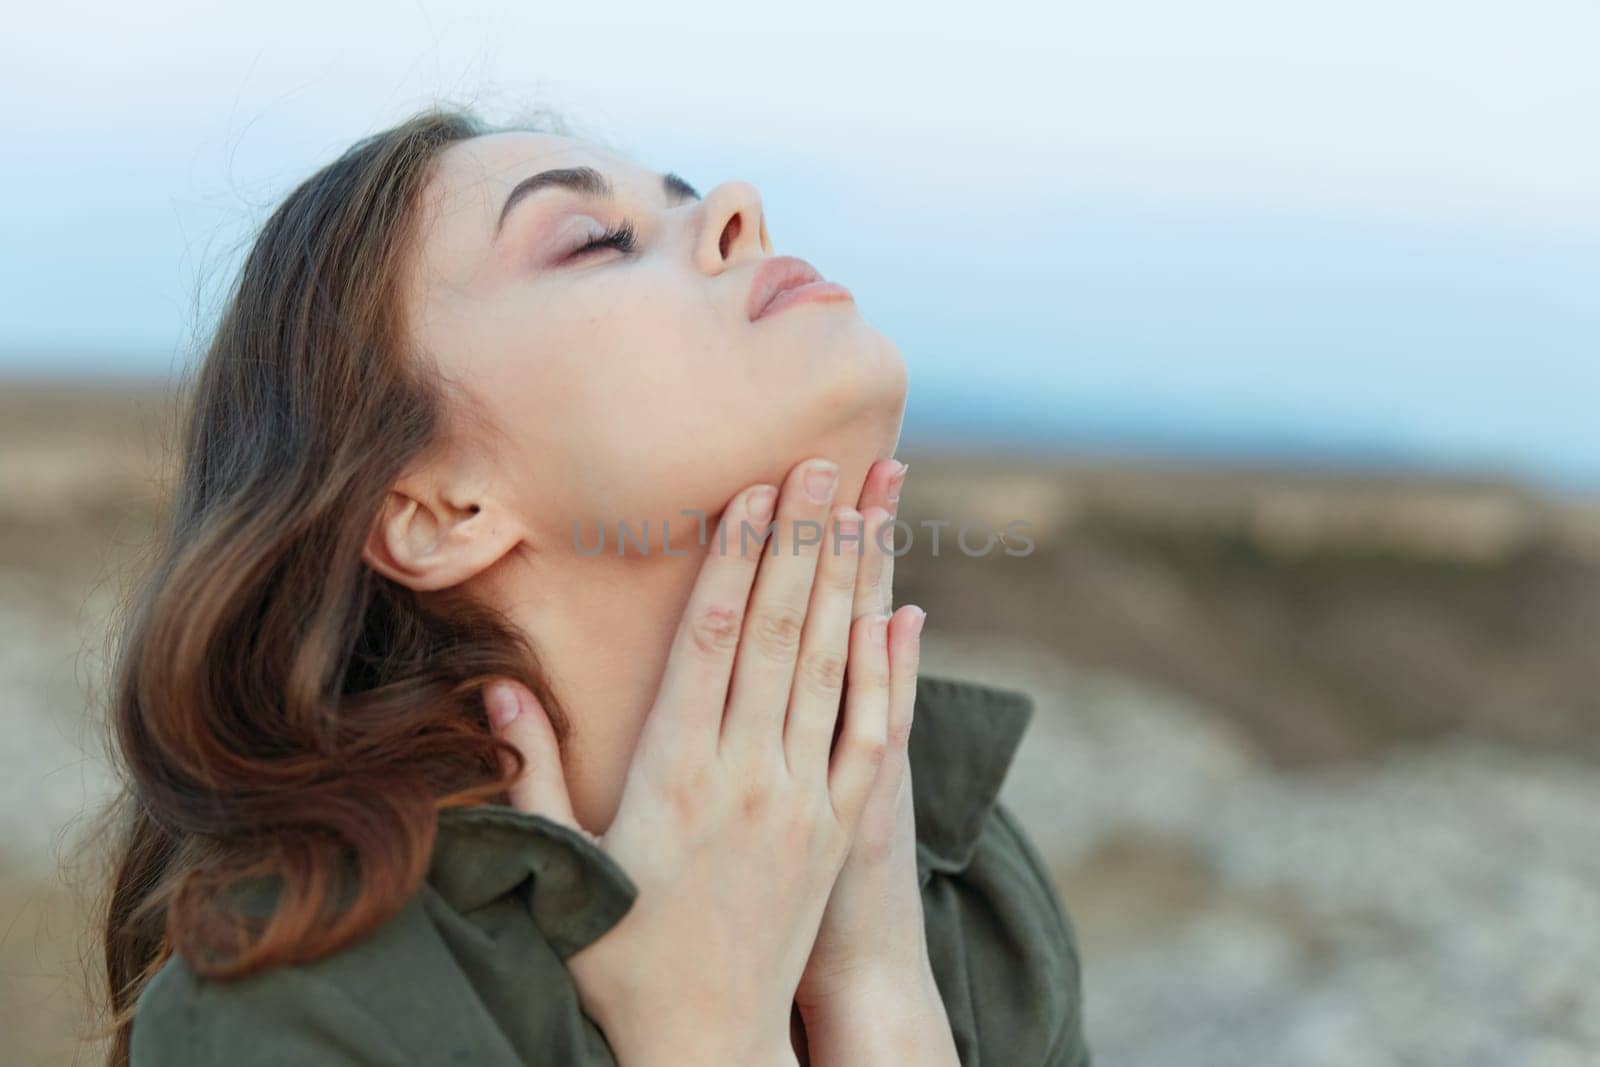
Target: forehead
480,171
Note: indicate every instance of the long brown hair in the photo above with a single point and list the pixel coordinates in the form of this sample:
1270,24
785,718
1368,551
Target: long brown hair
278,709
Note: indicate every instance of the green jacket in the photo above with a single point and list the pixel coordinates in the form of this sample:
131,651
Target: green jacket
471,971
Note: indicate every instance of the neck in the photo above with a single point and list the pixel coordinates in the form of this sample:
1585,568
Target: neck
603,625
603,622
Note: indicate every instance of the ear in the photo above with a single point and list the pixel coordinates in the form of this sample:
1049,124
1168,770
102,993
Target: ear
429,536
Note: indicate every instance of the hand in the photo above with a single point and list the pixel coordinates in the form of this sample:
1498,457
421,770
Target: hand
733,821
867,993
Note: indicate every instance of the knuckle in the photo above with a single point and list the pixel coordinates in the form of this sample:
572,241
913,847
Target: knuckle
714,629
777,630
870,663
840,575
822,670
689,793
875,847
873,747
754,800
899,731
800,830
872,582
860,625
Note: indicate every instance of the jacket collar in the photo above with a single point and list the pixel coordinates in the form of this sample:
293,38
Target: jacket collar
964,737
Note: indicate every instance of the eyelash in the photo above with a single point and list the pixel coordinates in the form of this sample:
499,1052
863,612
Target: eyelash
622,238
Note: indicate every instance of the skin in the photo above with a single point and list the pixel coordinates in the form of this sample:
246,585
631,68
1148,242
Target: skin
619,387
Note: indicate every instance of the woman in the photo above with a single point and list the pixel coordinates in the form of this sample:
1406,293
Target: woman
452,733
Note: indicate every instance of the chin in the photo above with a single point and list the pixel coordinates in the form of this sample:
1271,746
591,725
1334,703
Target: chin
866,398
853,406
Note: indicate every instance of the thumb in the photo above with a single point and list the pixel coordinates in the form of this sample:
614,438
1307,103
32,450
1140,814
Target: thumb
515,715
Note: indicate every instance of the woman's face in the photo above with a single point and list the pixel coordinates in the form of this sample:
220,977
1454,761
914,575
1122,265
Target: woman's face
627,385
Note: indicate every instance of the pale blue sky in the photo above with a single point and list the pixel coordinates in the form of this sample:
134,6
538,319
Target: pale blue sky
1364,227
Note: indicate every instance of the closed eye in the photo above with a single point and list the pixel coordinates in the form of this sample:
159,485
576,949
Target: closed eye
623,238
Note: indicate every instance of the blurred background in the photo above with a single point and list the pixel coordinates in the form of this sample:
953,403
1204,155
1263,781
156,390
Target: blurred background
1276,322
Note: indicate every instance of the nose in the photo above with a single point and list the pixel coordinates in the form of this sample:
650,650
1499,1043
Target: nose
733,228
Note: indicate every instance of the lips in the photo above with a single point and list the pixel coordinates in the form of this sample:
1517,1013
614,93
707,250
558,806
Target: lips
776,275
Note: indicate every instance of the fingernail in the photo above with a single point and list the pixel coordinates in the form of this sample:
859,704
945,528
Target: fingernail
896,480
761,503
916,623
847,527
820,480
503,704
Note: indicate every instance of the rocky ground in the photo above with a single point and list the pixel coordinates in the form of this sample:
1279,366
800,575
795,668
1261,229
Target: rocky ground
1313,758
1439,904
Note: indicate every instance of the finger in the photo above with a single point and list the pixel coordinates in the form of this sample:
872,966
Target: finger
881,489
763,669
887,583
870,596
863,738
693,692
824,651
882,816
516,716
905,651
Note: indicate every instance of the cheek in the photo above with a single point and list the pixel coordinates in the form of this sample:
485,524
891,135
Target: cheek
648,399
632,408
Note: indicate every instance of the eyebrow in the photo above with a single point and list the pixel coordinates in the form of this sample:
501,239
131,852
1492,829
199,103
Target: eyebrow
589,182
